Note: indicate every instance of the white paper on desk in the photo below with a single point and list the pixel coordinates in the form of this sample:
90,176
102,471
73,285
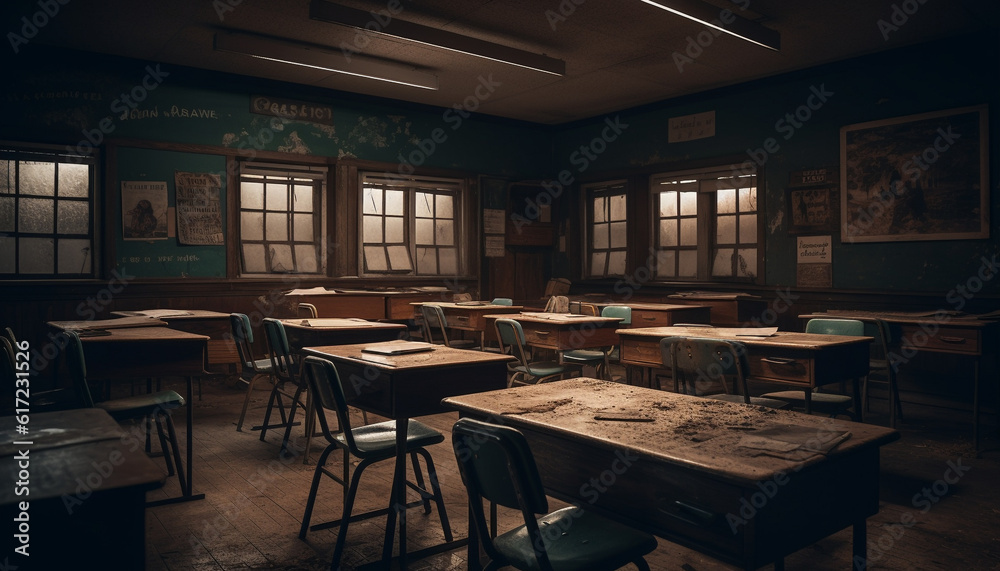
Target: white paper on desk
755,331
310,291
162,313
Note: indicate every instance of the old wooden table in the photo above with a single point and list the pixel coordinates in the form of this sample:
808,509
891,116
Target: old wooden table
405,386
563,331
366,304
744,484
661,314
220,354
338,331
471,316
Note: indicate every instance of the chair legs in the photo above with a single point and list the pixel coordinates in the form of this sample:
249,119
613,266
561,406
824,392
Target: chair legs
276,400
246,401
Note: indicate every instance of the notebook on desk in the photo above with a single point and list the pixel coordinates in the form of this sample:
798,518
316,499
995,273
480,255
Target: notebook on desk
398,347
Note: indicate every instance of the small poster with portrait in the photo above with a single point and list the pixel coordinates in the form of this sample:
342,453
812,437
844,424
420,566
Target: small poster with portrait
144,210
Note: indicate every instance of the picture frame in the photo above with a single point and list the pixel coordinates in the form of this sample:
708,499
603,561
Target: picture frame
917,177
812,210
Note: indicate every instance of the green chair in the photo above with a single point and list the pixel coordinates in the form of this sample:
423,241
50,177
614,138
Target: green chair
827,403
502,301
524,371
600,359
370,443
497,466
251,368
436,329
701,366
155,406
881,369
285,371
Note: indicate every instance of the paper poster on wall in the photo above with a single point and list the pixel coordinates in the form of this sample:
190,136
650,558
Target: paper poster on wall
199,209
144,210
493,220
815,261
495,247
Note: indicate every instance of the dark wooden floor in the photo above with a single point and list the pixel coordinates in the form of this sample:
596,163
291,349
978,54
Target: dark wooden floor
254,503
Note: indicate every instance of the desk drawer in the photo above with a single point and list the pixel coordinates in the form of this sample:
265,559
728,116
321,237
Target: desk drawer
946,340
642,353
793,369
542,337
649,318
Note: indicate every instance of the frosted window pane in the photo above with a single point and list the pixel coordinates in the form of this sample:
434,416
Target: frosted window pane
253,259
7,244
277,197
372,230
726,201
668,204
252,225
394,230
427,261
38,178
6,213
74,180
394,201
597,262
666,262
375,258
725,229
425,231
616,263
668,232
599,209
445,206
618,234
445,232
689,232
399,258
601,240
747,264
688,264
748,199
276,226
303,199
723,263
252,195
35,215
448,258
689,203
74,256
303,227
7,170
306,258
617,207
425,205
748,229
281,258
37,256
372,203
73,217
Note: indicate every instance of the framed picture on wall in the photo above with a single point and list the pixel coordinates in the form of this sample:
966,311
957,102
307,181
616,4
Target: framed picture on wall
812,210
919,177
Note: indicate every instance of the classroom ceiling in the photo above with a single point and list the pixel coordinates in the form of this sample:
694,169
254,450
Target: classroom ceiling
618,53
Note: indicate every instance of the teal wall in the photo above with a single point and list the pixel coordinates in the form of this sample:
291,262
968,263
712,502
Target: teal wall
953,73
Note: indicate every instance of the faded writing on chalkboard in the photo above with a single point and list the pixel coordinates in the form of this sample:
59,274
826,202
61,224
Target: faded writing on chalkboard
291,109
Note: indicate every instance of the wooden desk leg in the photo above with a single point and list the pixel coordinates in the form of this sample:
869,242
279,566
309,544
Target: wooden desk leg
859,549
859,414
397,499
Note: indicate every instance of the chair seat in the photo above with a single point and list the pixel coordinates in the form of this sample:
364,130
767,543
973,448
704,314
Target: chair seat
583,355
759,401
819,402
379,440
262,365
543,368
576,540
141,405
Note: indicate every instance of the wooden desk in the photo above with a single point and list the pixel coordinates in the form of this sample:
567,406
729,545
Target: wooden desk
934,332
728,310
471,316
147,352
86,491
338,331
663,314
404,386
563,331
394,305
221,355
688,475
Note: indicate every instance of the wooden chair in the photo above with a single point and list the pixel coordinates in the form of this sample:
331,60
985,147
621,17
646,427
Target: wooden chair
497,465
251,368
524,371
701,366
370,444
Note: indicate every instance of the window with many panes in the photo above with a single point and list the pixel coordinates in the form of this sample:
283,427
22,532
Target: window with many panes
607,229
281,219
411,226
706,225
46,213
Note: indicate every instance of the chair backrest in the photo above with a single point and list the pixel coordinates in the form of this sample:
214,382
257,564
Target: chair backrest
502,301
622,312
279,350
496,464
588,309
77,366
11,336
328,394
700,364
511,337
836,327
239,323
435,324
557,304
8,367
307,310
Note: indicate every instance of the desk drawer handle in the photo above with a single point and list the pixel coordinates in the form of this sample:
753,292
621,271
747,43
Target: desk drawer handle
778,361
953,339
542,333
649,317
690,514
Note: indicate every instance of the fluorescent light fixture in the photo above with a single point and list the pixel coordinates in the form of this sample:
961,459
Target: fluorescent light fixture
711,16
297,54
368,23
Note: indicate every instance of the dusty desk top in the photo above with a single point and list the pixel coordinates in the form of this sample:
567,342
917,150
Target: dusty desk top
729,440
337,322
437,356
749,336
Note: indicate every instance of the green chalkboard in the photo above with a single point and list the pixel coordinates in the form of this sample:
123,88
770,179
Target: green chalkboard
153,250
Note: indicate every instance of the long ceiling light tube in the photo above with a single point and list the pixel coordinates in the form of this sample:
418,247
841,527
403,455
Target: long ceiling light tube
335,14
305,56
711,16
